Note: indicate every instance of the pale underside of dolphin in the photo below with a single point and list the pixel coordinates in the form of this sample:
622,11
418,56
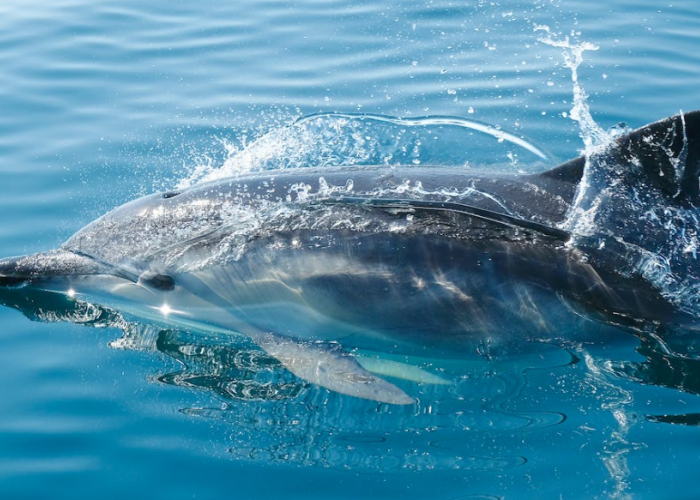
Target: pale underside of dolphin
312,264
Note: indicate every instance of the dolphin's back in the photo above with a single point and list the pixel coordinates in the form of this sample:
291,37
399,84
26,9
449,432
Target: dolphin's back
217,220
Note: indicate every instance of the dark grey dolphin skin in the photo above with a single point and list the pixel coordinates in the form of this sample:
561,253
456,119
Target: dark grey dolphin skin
312,264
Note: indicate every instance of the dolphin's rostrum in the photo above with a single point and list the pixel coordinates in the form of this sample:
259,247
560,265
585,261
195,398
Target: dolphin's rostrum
314,263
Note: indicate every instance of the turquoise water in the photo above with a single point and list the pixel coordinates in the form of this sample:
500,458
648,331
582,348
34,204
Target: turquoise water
101,102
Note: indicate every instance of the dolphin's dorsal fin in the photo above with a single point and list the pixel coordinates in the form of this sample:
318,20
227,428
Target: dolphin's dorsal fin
570,172
668,152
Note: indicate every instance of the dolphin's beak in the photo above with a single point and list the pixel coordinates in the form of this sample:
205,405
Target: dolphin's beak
8,275
19,270
12,272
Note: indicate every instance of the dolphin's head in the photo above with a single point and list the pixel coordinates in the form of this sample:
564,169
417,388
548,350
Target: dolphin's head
116,261
145,293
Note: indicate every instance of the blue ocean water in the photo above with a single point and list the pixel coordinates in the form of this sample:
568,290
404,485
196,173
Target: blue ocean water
101,102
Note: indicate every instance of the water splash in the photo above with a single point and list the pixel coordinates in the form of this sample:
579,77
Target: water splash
595,139
326,140
616,207
616,203
592,134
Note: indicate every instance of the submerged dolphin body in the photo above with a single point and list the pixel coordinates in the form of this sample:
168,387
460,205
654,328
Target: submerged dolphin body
313,263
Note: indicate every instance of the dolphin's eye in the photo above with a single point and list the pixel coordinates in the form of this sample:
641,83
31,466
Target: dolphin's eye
158,281
170,194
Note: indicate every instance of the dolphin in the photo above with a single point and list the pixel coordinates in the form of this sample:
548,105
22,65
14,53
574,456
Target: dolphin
317,265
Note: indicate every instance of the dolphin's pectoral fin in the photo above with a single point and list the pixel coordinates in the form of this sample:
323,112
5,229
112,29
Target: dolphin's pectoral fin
399,369
329,366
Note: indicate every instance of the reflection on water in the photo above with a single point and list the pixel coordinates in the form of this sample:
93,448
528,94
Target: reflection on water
229,373
275,417
616,400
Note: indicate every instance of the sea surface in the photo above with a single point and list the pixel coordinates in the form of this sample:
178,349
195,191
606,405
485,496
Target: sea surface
104,101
